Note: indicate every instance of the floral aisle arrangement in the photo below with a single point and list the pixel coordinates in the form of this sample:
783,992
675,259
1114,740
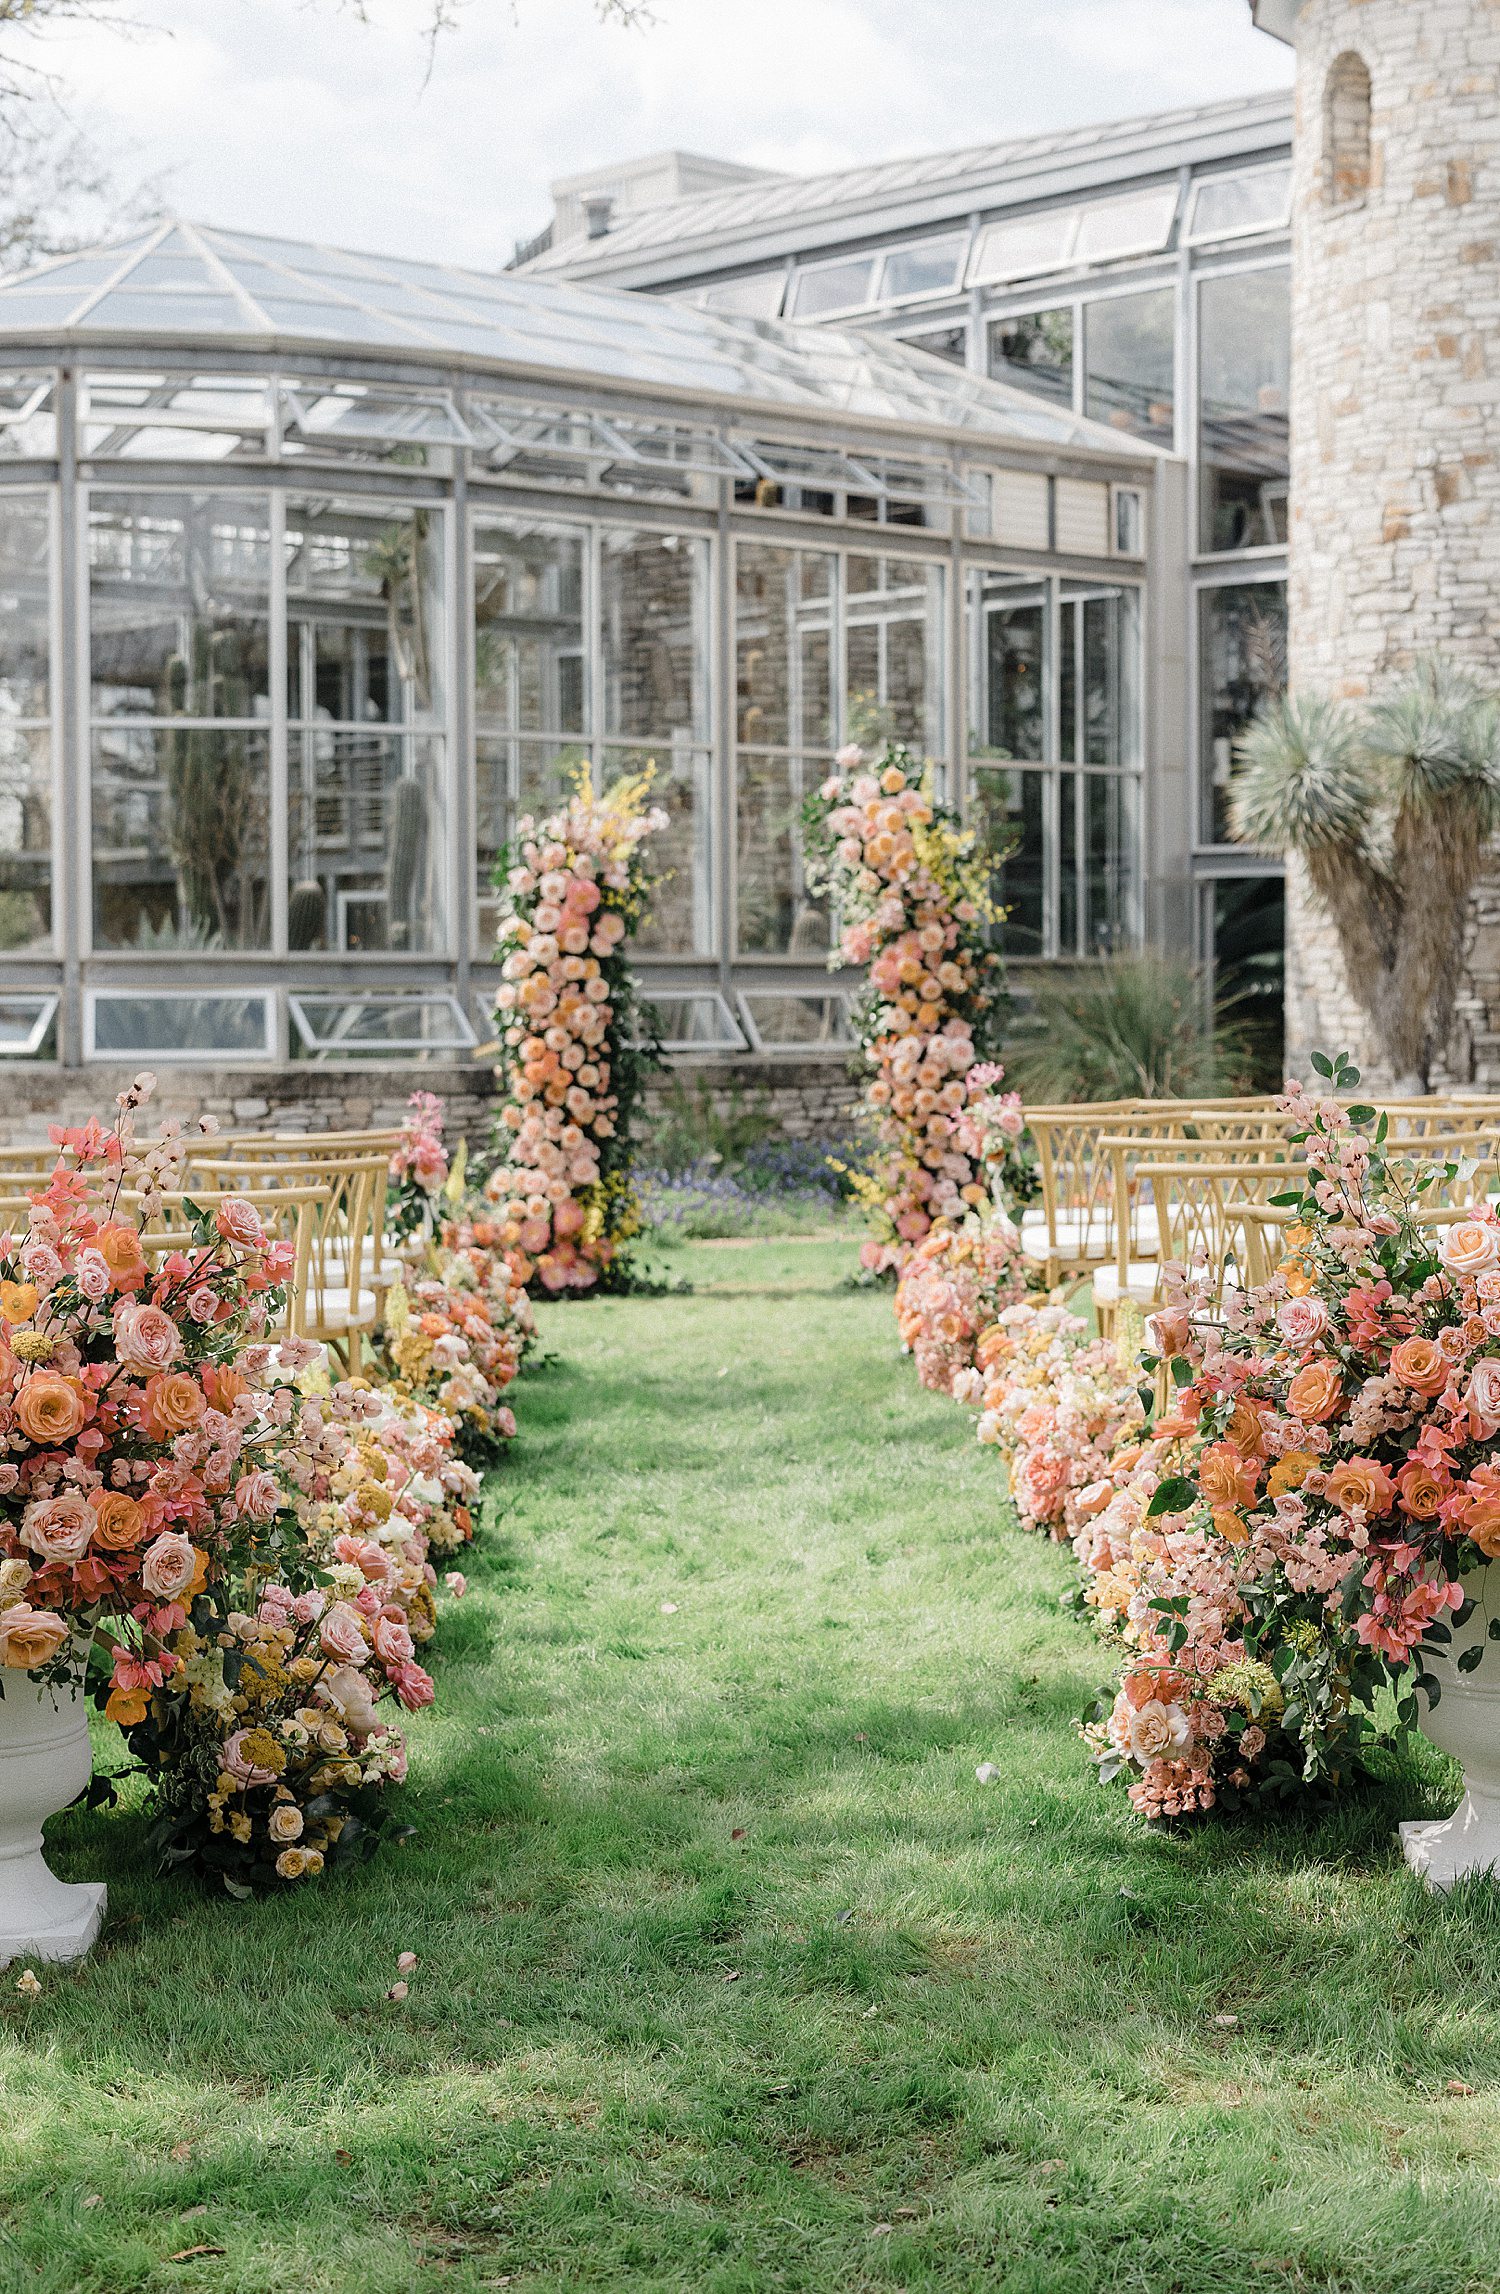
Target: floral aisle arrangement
1055,1402
459,1324
576,885
956,1281
911,889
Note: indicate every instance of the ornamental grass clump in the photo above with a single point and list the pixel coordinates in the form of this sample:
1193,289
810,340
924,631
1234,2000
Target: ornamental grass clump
911,887
575,885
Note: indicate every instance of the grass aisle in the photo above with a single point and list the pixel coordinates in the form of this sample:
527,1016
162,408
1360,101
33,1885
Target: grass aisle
732,1977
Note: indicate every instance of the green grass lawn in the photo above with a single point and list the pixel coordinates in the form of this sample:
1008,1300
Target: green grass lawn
732,1977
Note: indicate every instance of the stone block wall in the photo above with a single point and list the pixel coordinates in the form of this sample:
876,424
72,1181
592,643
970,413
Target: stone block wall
1395,418
810,1099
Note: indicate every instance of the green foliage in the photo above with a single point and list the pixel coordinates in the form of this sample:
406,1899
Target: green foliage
1304,779
1132,1028
697,1126
993,2038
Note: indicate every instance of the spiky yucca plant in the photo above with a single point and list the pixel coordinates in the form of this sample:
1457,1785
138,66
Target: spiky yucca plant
1390,808
1132,1028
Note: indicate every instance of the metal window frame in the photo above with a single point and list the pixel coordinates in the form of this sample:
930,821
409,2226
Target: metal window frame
47,1002
736,1040
1192,237
771,1047
321,1048
202,1054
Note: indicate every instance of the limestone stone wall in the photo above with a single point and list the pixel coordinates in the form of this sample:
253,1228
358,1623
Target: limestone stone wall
1395,417
810,1099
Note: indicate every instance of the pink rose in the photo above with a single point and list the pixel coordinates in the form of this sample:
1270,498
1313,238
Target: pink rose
243,1770
239,1223
91,1274
308,1607
1483,1397
350,1695
457,1583
393,1643
342,1635
1470,1248
145,1339
168,1566
58,1528
1301,1321
414,1687
257,1495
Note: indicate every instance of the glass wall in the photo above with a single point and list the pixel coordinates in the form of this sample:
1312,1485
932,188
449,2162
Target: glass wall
1034,352
830,646
1244,370
1242,667
653,598
1130,355
367,778
1056,746
25,725
179,619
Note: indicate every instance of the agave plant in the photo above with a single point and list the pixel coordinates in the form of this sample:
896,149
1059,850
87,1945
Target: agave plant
1391,809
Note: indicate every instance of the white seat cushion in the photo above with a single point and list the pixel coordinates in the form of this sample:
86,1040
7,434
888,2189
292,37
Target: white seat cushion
1140,1283
331,1310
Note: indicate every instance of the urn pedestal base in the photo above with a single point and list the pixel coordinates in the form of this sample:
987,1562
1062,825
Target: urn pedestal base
1465,1723
45,1762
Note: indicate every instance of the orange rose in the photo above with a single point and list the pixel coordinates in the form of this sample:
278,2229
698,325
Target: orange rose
118,1521
49,1410
174,1401
1290,1472
1225,1478
1230,1525
1481,1512
1359,1485
223,1387
1316,1393
1243,1431
1421,1491
1421,1365
120,1249
17,1301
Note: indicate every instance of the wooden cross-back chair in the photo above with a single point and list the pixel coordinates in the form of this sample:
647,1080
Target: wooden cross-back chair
288,1214
339,1305
1138,1241
335,1149
1198,1208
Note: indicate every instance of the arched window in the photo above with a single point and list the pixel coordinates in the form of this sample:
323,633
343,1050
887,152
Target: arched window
1346,130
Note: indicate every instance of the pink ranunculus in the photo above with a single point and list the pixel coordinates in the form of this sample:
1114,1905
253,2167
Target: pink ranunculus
146,1339
240,1223
413,1686
59,1528
168,1566
342,1635
1301,1321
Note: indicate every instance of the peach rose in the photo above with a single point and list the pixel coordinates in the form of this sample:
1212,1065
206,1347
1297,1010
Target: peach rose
1483,1397
1361,1486
169,1566
58,1528
118,1521
146,1340
342,1635
175,1401
1481,1510
240,1223
1229,1525
30,1638
1225,1478
1420,1490
1243,1432
1471,1248
120,1249
1316,1393
1421,1365
49,1410
393,1642
285,1822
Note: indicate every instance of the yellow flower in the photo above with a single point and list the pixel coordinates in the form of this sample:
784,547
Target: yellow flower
17,1301
262,1750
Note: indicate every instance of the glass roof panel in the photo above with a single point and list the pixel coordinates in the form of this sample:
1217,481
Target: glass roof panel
1227,206
931,267
579,334
1134,226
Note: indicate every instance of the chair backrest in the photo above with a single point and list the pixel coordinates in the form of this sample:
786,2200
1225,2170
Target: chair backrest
345,1241
291,1213
1201,1207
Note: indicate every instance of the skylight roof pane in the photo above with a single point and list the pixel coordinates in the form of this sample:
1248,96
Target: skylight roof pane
832,287
164,314
1022,246
1229,206
757,298
929,268
1134,226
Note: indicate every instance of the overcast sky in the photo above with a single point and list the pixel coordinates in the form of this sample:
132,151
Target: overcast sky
290,116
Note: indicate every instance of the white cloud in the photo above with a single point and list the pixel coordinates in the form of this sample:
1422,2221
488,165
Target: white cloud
282,116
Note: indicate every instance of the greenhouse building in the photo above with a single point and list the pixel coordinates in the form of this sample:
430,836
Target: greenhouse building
319,569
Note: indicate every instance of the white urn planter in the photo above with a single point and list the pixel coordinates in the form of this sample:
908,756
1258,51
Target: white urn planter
45,1762
1465,1723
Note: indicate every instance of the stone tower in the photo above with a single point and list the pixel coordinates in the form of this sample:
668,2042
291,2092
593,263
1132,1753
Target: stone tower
1395,409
